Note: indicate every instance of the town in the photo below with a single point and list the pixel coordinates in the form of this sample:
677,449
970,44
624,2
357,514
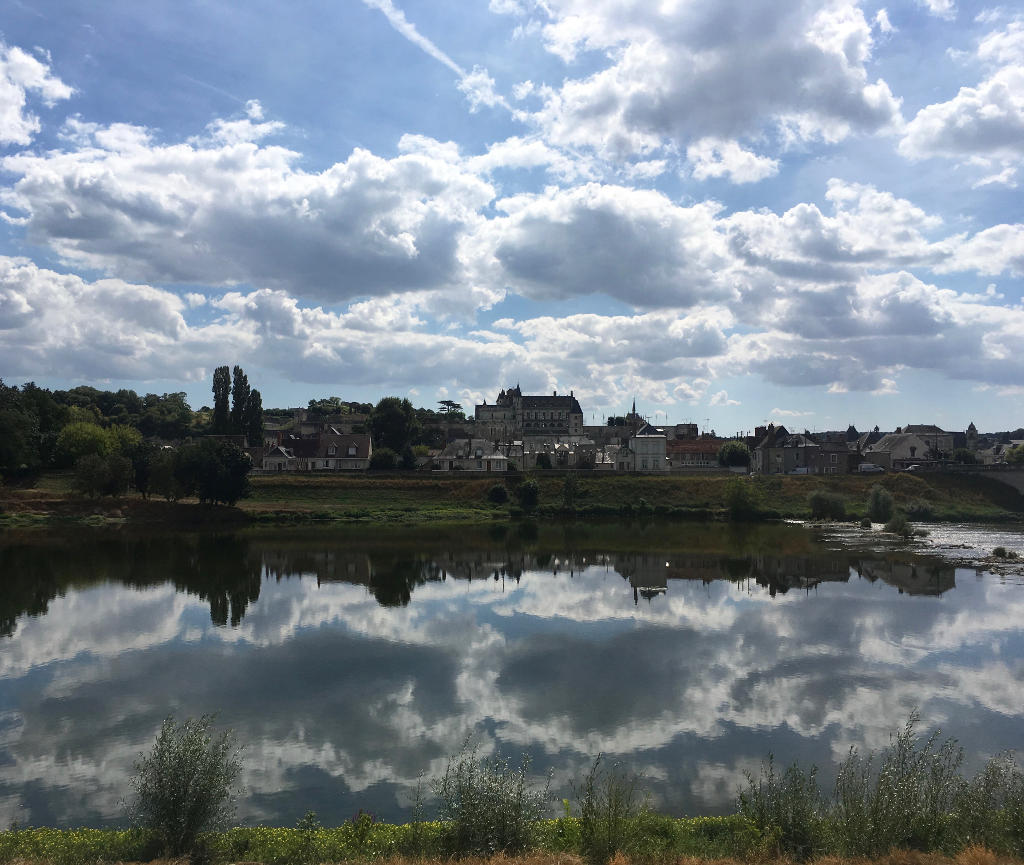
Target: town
522,432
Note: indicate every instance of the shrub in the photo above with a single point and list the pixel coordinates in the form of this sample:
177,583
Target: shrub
734,453
185,785
383,458
543,461
497,494
919,510
609,803
791,804
899,525
528,494
880,504
102,475
488,804
905,803
827,506
865,523
741,499
1003,553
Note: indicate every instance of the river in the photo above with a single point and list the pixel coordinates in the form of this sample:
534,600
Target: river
352,661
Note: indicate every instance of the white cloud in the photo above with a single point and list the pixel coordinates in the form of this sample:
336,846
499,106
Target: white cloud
711,157
21,74
722,399
982,125
940,8
713,68
223,212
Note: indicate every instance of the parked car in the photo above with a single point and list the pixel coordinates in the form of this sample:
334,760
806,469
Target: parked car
913,468
869,468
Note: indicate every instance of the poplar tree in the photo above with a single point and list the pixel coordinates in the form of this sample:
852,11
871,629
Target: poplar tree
253,421
221,388
239,398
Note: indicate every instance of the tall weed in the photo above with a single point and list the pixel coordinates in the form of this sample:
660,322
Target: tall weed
488,803
790,803
609,801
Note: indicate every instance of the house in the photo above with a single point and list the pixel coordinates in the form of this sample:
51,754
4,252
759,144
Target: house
782,452
324,452
646,451
898,450
693,454
938,441
472,455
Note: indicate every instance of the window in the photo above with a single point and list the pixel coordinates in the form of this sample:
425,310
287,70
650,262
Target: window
327,464
479,464
351,450
331,450
834,458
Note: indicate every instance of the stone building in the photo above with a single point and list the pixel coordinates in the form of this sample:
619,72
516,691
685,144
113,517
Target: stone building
515,417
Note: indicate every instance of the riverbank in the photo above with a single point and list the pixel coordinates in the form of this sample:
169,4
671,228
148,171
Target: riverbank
684,841
417,498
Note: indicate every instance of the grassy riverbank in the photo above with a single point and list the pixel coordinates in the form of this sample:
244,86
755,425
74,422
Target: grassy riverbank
459,499
417,498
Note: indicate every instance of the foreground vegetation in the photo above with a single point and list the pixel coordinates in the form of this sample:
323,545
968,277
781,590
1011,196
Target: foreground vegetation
911,797
427,498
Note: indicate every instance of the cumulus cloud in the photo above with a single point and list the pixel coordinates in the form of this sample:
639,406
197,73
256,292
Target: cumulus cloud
678,73
712,157
982,125
940,8
722,399
22,74
635,245
229,210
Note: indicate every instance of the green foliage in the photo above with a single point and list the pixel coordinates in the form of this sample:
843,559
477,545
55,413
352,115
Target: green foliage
185,785
790,803
965,456
384,459
741,498
81,439
899,525
826,505
162,478
215,471
1015,455
124,439
543,461
880,504
497,494
488,804
221,424
528,495
570,489
308,847
1003,553
97,475
394,423
905,802
253,419
609,803
865,523
734,453
239,399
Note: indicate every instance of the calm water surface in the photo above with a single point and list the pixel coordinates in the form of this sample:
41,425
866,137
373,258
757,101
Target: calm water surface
351,662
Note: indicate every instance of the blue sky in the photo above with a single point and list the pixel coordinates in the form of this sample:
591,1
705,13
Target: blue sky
735,210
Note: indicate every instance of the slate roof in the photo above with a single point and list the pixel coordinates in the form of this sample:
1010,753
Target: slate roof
549,403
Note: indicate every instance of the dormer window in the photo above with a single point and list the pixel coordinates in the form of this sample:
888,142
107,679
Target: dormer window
479,453
351,450
331,450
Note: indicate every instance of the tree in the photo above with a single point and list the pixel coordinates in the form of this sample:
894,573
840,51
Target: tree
215,471
239,399
734,453
102,475
124,439
221,413
394,423
253,419
543,461
1015,455
185,785
80,439
528,494
964,456
384,459
452,410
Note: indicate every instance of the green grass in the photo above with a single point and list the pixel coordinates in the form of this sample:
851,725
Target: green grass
426,498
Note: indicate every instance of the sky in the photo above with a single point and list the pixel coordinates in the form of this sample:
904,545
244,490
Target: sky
733,211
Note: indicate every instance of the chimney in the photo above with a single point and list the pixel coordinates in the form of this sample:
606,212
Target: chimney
554,393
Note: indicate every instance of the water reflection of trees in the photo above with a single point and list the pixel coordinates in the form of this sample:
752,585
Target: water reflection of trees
226,570
219,569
